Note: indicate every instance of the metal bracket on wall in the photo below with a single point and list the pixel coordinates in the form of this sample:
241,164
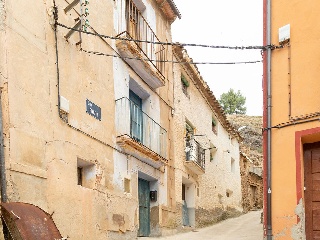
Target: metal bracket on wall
71,5
81,22
77,26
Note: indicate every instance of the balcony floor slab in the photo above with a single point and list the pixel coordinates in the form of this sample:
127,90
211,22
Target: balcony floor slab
140,151
193,166
145,69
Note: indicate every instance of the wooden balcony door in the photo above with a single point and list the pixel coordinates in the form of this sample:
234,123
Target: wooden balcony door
136,121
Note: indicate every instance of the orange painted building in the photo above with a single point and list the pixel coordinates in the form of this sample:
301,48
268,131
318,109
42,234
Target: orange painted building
291,119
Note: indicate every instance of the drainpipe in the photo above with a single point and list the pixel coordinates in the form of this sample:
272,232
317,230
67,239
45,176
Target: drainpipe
2,161
267,117
57,55
3,179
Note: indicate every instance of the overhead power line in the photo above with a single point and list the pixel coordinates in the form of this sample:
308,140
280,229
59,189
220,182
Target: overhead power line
154,60
167,61
168,43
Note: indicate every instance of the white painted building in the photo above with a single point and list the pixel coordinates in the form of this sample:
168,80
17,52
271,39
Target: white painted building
143,106
208,185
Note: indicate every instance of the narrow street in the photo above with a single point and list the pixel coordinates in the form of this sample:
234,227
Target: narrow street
245,227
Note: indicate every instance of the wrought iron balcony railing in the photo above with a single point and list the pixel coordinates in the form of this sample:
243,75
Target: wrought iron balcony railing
133,122
195,153
137,28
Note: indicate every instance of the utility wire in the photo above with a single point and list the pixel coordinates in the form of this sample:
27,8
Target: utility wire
3,75
167,61
169,43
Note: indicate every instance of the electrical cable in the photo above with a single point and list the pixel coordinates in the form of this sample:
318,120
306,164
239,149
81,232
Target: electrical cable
170,43
168,61
3,75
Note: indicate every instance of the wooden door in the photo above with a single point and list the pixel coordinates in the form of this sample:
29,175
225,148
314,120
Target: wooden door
312,189
144,208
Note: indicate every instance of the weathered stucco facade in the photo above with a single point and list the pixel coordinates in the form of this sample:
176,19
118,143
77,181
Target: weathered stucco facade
208,186
294,133
69,145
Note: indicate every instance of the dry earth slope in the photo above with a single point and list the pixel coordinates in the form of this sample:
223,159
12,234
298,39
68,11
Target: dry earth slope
250,129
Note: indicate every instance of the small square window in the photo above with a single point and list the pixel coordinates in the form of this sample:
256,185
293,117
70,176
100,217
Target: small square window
229,192
86,173
233,165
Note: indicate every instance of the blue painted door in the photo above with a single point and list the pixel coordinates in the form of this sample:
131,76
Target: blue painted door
144,208
135,116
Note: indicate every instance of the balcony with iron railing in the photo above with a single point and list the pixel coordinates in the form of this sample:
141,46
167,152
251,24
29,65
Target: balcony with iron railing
139,135
195,157
144,55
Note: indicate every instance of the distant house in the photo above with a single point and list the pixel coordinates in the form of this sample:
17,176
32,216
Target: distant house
251,184
207,171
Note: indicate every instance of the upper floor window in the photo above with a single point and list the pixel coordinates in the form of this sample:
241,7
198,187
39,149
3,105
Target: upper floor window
213,150
135,26
233,165
134,20
136,116
185,84
233,141
214,126
194,151
189,131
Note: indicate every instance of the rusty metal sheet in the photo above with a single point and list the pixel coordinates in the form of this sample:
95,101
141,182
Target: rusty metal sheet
28,222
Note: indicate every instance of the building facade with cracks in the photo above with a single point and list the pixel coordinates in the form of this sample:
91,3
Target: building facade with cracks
251,184
103,132
87,120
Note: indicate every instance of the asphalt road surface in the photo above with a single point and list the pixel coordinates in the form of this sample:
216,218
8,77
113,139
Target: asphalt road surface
245,227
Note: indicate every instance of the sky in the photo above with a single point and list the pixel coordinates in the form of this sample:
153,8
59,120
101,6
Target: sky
225,23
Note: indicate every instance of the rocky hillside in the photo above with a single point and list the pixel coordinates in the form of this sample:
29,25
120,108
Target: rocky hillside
250,128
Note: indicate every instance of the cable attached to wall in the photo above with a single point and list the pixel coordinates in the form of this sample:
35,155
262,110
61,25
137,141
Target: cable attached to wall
58,87
168,61
170,43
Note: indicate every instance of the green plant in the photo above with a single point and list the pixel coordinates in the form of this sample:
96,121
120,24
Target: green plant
184,81
214,122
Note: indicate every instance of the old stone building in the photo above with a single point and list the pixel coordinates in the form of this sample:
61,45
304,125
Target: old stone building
207,171
251,184
251,159
101,130
86,118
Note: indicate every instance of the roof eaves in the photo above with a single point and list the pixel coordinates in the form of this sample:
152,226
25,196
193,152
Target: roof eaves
174,8
181,53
